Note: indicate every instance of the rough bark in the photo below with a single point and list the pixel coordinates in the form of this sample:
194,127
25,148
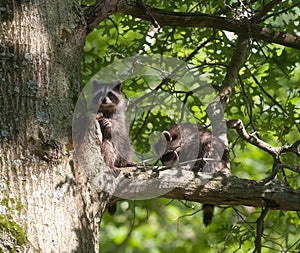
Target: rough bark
41,46
217,189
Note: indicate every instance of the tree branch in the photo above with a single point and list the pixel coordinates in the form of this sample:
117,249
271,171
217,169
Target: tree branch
274,151
260,229
148,13
265,9
292,148
217,189
277,168
240,128
233,70
102,9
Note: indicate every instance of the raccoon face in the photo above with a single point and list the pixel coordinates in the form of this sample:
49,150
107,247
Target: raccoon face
175,139
179,144
168,147
170,158
109,102
106,96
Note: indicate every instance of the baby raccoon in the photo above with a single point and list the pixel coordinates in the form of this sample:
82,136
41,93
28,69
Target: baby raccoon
193,147
116,147
196,149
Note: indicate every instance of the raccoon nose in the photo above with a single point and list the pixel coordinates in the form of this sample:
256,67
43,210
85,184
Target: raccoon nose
170,156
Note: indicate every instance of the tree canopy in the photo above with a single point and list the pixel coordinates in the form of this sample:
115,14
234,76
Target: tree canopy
249,53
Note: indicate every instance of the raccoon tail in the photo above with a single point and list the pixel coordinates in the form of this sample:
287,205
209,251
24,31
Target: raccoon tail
112,209
208,212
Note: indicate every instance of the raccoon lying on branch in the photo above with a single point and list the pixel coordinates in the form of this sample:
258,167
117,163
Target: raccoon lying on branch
196,149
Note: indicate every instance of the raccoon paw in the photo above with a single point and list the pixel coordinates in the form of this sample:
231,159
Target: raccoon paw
130,164
105,122
116,171
99,116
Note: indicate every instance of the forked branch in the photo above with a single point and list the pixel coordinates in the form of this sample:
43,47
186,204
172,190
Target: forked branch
274,151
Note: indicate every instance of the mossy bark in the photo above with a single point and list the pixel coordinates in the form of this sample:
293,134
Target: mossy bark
41,44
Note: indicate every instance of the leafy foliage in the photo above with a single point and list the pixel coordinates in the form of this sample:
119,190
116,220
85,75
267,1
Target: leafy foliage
265,98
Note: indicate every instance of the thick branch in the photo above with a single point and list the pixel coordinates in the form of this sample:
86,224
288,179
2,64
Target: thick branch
214,111
101,10
217,189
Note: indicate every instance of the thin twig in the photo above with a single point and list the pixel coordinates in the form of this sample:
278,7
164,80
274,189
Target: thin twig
277,168
276,14
148,13
265,9
294,148
170,75
260,229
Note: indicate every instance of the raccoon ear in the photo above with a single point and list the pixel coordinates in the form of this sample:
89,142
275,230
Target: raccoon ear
98,93
117,86
96,83
167,135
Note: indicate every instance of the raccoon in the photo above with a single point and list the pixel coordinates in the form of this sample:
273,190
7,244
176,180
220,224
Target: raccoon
116,148
177,145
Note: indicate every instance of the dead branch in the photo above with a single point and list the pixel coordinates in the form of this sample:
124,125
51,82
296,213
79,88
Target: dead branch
294,148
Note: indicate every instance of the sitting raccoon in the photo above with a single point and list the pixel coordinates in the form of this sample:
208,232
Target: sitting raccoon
116,148
177,145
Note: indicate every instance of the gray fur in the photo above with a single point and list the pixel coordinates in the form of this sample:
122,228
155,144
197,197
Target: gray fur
116,148
192,142
185,143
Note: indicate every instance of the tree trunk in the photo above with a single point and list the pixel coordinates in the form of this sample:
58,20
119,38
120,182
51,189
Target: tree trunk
41,45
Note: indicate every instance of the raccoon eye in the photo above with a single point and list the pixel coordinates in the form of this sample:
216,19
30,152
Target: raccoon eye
110,95
175,136
167,135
